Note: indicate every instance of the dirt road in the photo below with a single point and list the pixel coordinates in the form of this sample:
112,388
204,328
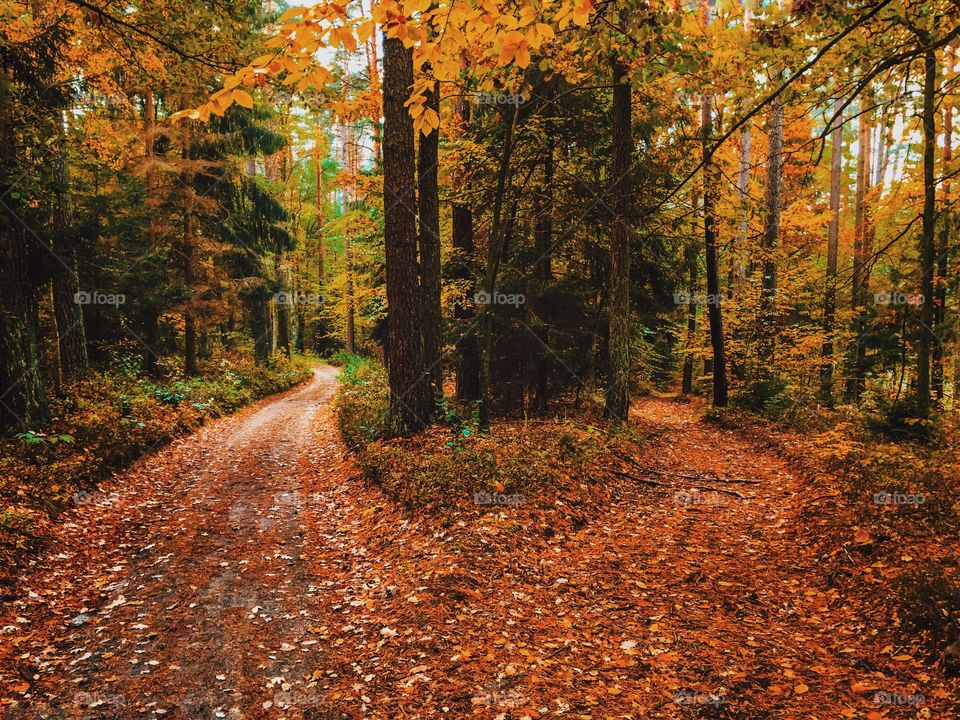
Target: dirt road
247,571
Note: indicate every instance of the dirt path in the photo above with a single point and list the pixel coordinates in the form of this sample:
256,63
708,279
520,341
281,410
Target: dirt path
182,588
248,572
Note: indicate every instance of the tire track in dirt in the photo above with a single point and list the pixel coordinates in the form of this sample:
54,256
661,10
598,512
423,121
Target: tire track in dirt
204,607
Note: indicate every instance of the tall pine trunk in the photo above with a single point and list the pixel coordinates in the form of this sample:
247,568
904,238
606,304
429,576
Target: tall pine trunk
410,397
928,255
429,204
943,250
151,315
686,386
833,236
283,308
767,331
71,337
495,251
714,310
856,380
618,381
464,270
186,251
23,398
542,274
318,170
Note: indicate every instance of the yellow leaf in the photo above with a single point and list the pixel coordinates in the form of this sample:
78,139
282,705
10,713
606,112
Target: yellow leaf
801,689
365,30
242,98
291,13
347,38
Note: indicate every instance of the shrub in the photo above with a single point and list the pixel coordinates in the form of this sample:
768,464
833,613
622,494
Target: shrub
764,392
900,419
363,400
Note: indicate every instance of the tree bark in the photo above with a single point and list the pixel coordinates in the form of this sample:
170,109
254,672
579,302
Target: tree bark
767,331
151,318
68,312
833,236
186,253
686,386
714,310
23,398
318,170
410,398
283,309
618,380
495,247
542,274
856,382
464,270
928,255
943,250
429,204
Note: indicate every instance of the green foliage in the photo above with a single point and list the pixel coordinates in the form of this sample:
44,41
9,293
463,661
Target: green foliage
900,419
435,471
764,392
363,400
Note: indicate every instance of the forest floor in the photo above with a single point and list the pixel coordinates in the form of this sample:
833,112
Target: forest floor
248,571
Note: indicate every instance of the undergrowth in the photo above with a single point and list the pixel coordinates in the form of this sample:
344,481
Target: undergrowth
453,463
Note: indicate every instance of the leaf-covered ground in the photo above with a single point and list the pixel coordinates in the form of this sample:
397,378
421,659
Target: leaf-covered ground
248,571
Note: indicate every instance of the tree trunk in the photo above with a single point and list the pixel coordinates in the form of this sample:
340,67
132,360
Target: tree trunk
687,383
856,382
410,399
714,312
318,169
429,204
542,273
67,311
833,235
928,255
737,270
151,318
943,249
495,248
283,308
23,399
350,329
767,331
260,325
186,254
464,269
618,381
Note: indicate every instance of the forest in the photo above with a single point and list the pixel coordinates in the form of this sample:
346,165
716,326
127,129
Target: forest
490,358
